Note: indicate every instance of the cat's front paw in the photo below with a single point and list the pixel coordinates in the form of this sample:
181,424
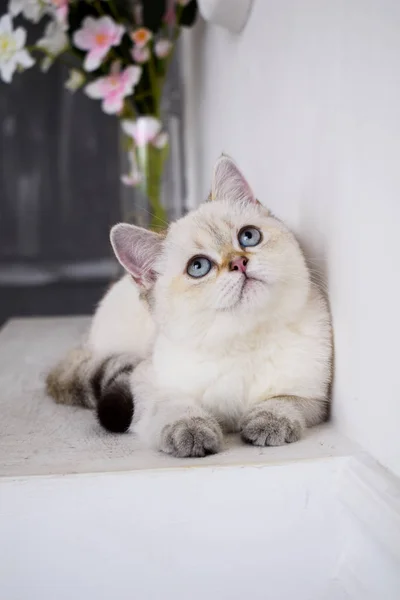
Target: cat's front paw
191,436
272,424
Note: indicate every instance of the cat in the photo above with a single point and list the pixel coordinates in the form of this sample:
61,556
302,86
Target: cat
219,329
96,374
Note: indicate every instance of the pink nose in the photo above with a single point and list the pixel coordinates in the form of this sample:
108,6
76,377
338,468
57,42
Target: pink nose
238,264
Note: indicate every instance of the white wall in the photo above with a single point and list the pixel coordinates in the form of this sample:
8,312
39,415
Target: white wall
307,100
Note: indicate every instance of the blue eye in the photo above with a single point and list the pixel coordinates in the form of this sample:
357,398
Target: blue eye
199,266
249,236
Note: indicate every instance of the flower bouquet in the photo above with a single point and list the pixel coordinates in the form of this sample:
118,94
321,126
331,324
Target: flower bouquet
118,52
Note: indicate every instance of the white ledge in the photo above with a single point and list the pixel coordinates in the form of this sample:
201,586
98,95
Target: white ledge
232,527
38,437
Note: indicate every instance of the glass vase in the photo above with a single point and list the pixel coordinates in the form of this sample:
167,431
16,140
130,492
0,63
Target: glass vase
145,149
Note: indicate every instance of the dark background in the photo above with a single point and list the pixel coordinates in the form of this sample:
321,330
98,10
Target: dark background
60,192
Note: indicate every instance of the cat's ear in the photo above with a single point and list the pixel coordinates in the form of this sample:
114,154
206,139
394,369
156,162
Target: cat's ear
136,249
229,183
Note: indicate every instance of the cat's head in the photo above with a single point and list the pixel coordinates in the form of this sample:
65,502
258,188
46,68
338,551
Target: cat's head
228,257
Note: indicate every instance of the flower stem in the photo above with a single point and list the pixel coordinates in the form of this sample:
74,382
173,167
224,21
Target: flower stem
63,56
114,10
151,160
155,88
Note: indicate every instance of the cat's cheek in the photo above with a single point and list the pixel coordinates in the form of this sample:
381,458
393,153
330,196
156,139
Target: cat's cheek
178,285
180,293
203,293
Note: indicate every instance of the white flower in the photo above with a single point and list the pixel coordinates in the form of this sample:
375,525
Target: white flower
33,10
163,47
134,177
54,42
12,52
161,140
75,80
145,130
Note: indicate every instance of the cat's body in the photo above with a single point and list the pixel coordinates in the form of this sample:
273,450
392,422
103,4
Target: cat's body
122,322
120,336
233,333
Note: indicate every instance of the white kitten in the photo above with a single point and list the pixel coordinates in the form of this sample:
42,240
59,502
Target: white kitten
234,334
243,337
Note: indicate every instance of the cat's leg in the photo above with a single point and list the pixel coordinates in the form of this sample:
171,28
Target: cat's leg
188,432
182,429
282,420
172,422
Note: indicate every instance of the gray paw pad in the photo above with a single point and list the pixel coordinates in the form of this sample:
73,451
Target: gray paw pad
192,436
264,428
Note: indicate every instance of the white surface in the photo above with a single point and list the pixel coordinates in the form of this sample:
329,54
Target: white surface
146,525
87,515
307,100
38,437
217,534
369,567
231,14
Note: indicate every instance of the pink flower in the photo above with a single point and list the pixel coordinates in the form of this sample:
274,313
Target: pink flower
145,130
61,10
170,15
140,55
113,88
97,36
162,48
141,37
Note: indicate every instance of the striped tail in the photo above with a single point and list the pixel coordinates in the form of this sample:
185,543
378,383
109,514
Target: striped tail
84,380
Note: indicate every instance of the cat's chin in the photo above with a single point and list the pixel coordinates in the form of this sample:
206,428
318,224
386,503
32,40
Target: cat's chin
253,295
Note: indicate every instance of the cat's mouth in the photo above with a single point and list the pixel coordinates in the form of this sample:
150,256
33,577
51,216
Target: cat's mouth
250,279
245,291
249,282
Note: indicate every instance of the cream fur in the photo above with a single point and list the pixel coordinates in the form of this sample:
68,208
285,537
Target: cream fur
120,336
122,322
217,356
255,359
223,352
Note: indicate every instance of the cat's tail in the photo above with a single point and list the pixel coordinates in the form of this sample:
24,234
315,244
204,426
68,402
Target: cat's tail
83,379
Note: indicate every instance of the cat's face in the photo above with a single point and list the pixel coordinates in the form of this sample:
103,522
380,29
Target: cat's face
228,257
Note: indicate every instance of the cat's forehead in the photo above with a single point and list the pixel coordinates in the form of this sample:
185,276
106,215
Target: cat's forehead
214,224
